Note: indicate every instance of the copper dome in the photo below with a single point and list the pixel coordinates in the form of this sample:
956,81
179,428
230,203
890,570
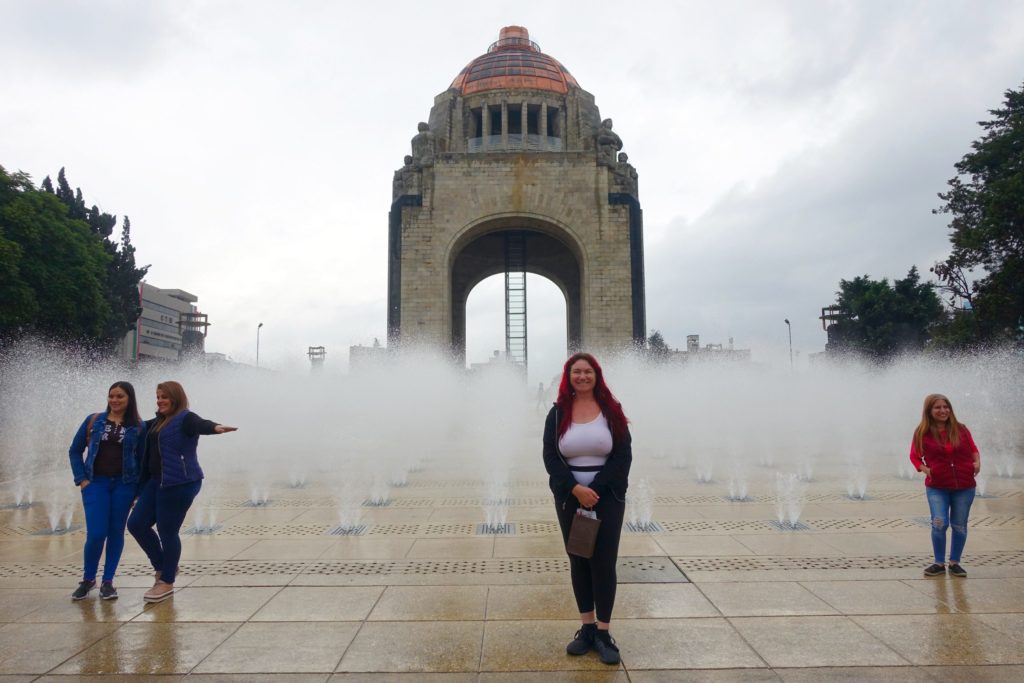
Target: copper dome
515,62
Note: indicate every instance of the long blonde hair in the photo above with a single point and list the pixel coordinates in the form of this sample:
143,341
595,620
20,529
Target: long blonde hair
928,424
179,401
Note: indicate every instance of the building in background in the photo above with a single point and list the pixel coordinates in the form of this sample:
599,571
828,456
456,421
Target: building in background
170,327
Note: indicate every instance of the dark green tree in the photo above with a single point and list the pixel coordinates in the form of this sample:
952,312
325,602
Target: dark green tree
657,349
880,321
58,268
986,204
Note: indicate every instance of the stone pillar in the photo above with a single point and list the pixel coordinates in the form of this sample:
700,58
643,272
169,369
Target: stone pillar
542,127
486,131
504,124
523,127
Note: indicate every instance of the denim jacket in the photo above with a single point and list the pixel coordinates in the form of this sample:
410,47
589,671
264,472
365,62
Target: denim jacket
133,445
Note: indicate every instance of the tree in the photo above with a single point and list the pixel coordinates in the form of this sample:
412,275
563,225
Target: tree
880,321
656,346
986,204
57,267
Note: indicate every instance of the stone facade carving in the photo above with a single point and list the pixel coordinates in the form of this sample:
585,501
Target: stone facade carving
624,176
406,180
423,147
608,144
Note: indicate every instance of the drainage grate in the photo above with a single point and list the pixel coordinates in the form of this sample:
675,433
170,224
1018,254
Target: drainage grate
202,530
643,527
376,503
649,570
505,529
860,524
357,530
538,528
257,503
789,526
747,563
273,530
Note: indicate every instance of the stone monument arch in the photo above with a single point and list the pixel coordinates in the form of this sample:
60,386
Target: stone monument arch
516,172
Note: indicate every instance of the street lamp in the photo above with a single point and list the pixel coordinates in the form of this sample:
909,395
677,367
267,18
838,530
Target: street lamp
258,344
790,329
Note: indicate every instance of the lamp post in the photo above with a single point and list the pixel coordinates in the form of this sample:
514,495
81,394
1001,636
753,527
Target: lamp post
258,344
790,329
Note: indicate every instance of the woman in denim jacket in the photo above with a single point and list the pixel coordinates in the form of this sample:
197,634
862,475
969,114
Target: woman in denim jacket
108,475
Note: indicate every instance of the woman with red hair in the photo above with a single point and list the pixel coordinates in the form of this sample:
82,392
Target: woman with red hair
587,454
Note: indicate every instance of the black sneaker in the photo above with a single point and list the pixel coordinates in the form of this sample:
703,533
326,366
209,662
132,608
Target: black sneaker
107,591
604,644
956,570
583,641
83,590
935,570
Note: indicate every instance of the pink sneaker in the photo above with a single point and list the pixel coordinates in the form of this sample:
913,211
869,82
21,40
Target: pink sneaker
160,591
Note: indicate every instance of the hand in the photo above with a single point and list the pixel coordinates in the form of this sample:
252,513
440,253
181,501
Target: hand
221,429
585,496
926,471
82,484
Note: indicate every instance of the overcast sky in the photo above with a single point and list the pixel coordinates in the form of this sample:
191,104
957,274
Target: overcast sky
781,147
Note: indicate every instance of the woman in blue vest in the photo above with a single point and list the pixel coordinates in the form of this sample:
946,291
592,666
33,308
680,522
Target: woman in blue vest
171,479
108,476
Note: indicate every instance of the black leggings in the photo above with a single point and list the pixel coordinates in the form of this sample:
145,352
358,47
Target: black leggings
594,580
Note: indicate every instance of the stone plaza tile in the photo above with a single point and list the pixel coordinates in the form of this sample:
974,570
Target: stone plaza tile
637,545
706,643
63,609
37,648
205,548
703,546
977,674
431,603
362,548
402,646
320,603
666,513
109,678
453,548
16,604
705,676
281,647
209,604
586,676
857,674
251,678
531,602
816,641
518,546
876,597
294,549
973,594
150,649
799,543
765,599
533,646
65,549
733,511
1011,625
404,678
661,601
990,539
875,543
944,639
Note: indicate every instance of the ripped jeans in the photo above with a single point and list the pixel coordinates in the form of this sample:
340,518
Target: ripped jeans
949,508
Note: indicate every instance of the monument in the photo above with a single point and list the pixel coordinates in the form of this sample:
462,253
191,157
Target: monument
515,172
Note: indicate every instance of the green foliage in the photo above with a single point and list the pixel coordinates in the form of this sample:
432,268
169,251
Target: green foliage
986,205
880,321
60,274
656,346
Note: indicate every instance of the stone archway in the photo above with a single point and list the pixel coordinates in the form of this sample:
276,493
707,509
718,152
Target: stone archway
480,253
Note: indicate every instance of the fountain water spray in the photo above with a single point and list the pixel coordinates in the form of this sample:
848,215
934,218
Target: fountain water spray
639,502
790,494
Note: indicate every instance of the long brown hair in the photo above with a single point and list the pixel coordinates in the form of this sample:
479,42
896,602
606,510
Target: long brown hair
131,411
928,424
179,401
610,406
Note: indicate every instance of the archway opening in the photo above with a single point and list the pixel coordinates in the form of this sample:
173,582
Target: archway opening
546,321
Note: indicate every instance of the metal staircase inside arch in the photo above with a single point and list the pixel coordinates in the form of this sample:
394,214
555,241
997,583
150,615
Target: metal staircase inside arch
515,297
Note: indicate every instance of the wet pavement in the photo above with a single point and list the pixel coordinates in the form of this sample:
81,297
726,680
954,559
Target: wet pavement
716,592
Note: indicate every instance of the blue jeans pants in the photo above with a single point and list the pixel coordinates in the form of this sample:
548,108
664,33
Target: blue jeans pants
949,508
166,508
107,501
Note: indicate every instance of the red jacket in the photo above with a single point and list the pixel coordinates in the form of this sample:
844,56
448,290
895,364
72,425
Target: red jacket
952,467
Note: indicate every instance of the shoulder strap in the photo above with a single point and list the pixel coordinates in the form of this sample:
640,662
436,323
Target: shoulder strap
88,429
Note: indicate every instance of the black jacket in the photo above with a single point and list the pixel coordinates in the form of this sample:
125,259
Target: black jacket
613,477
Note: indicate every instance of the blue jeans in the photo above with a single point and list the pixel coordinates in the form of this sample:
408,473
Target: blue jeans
166,508
107,501
949,508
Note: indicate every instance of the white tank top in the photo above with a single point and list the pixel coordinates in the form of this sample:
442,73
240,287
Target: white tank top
586,444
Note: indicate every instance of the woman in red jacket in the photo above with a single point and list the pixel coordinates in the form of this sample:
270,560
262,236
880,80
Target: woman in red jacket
944,450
